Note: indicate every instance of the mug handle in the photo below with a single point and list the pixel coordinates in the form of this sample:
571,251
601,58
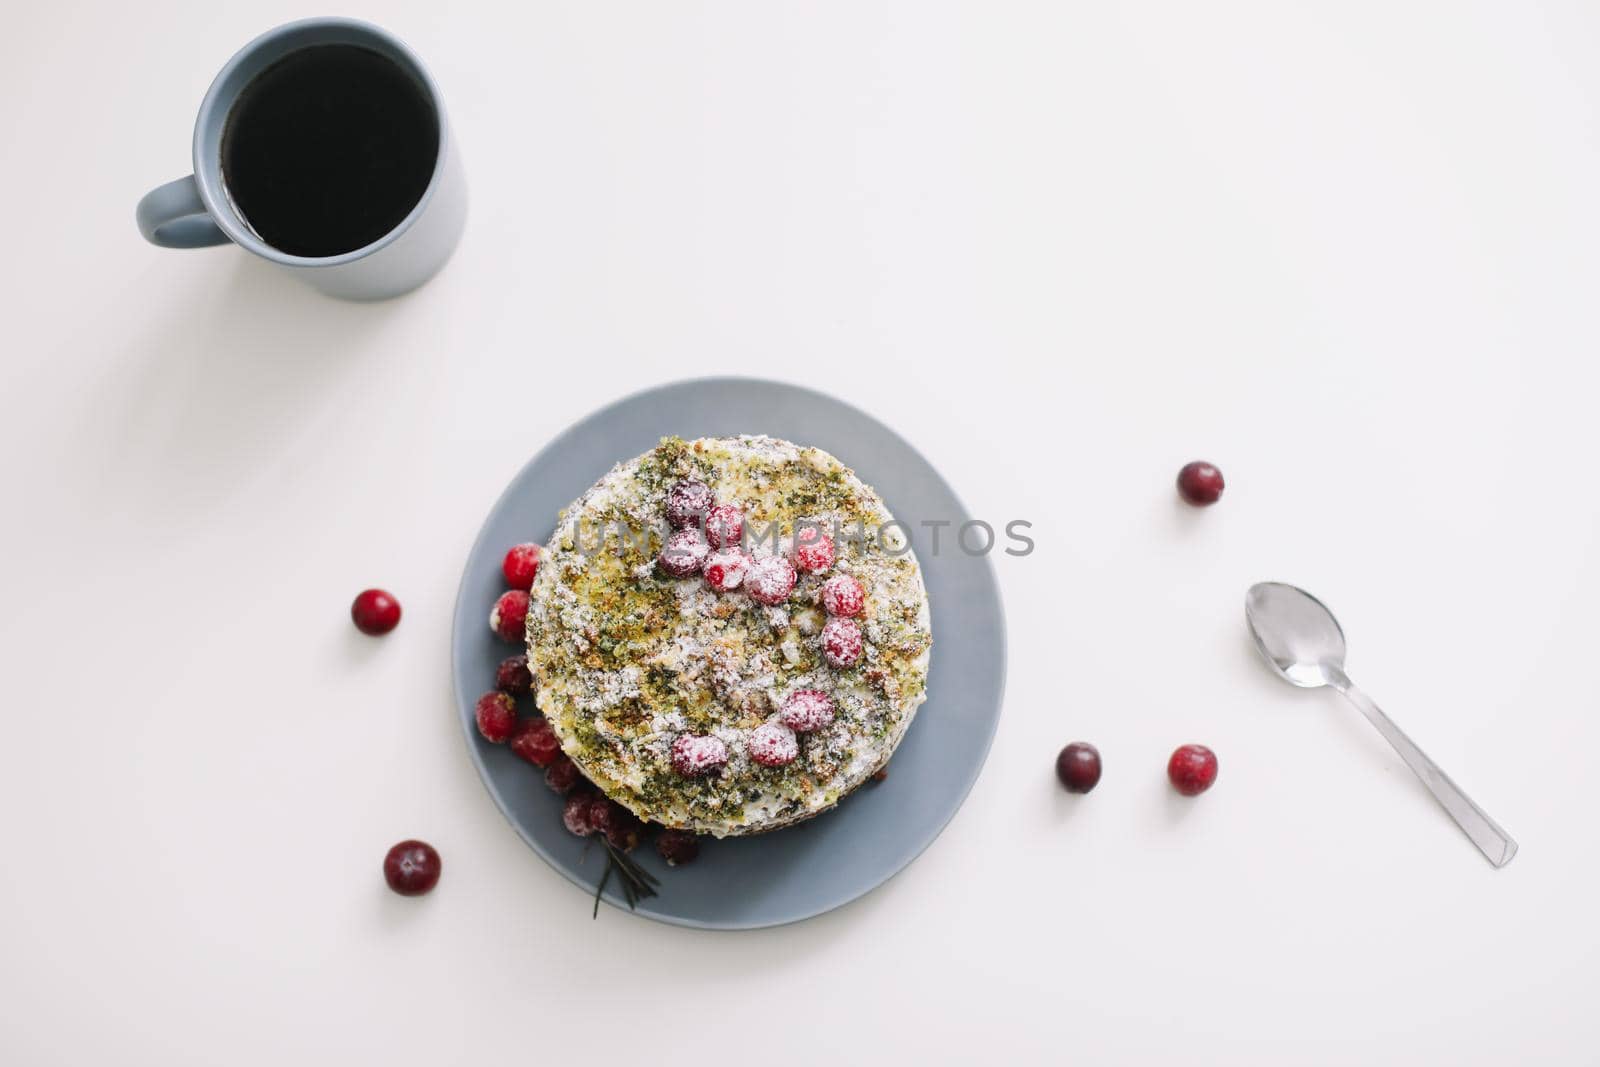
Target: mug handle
173,216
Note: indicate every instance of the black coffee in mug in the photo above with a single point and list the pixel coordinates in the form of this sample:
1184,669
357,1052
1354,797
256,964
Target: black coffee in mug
328,149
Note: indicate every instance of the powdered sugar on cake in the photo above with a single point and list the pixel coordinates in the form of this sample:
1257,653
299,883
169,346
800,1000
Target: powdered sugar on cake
635,660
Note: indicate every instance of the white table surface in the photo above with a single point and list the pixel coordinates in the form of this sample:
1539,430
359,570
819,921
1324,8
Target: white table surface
1346,250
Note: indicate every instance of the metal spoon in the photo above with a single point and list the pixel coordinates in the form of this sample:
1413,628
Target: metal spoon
1299,636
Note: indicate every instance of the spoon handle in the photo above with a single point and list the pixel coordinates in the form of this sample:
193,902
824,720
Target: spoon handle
1495,844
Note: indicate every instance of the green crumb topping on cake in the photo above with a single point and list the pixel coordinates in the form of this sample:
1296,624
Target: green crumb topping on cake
628,658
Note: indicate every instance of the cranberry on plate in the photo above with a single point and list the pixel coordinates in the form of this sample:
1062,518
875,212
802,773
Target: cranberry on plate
509,617
575,814
521,565
536,742
623,829
514,676
677,846
1078,767
412,868
1192,769
619,826
1200,483
562,774
601,811
375,612
497,716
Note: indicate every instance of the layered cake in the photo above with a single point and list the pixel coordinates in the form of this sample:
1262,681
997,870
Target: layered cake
729,634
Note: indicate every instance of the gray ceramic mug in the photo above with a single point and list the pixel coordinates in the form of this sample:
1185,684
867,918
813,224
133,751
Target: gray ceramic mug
197,211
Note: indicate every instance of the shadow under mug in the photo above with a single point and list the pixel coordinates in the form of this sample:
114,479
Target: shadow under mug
196,211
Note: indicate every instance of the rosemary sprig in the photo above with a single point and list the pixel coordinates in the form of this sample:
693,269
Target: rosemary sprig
637,883
601,888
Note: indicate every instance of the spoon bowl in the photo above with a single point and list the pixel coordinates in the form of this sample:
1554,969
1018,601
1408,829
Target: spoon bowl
1296,633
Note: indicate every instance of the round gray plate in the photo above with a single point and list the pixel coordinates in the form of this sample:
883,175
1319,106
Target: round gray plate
805,870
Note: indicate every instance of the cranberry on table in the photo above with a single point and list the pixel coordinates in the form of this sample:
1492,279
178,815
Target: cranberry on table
772,745
688,502
375,612
805,710
843,596
1192,769
677,846
684,553
536,742
412,868
841,642
510,615
1200,483
514,676
771,580
497,716
1078,767
725,570
694,754
521,565
813,550
724,526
